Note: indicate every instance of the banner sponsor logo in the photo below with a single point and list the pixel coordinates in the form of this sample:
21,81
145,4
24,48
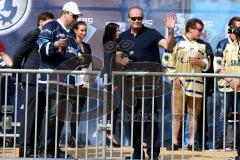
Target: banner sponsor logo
13,14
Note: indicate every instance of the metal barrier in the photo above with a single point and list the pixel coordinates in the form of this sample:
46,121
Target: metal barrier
110,113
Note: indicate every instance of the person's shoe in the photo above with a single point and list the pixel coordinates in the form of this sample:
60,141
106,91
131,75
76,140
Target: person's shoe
108,143
136,155
190,146
219,144
112,138
175,147
155,155
72,142
205,147
61,154
29,152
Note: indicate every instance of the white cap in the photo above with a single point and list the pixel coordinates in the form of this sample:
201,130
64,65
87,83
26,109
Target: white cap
71,7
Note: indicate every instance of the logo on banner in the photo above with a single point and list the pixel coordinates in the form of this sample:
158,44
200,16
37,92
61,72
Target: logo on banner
12,14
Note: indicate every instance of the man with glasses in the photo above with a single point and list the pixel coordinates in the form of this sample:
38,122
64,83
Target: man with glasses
189,55
227,61
56,45
145,48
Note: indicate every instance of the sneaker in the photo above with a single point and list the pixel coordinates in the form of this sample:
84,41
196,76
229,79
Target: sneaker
229,149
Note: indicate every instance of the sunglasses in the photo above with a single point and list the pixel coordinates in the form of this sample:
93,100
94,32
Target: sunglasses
199,29
73,15
136,18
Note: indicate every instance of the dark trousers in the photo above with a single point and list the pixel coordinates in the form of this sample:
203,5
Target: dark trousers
51,121
30,124
201,125
230,99
147,130
74,110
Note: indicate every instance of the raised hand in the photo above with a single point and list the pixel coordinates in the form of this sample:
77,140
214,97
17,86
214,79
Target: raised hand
170,20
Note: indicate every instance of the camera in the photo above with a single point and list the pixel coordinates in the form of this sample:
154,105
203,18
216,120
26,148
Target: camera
234,30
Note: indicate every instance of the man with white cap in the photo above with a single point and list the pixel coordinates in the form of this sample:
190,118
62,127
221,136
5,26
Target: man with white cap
56,45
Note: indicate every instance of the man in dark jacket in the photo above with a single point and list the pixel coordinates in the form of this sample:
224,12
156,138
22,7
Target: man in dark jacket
27,57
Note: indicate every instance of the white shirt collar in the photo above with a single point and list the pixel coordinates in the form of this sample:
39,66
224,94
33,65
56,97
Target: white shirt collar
61,23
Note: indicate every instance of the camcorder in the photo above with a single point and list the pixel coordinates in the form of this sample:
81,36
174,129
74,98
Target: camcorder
234,30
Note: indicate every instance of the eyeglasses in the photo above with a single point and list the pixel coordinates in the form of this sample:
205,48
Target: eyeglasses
73,15
199,29
136,18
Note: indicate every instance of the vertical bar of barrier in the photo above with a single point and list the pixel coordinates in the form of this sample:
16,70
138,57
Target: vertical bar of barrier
104,116
163,103
67,118
112,101
173,109
36,118
77,123
224,120
142,119
15,114
193,118
132,116
153,120
122,117
87,123
214,116
183,120
204,109
46,119
25,116
97,119
235,118
5,115
56,122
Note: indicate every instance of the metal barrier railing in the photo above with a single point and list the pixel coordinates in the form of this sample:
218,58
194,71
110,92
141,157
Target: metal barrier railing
109,116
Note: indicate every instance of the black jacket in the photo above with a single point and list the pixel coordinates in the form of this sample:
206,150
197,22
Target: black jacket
27,56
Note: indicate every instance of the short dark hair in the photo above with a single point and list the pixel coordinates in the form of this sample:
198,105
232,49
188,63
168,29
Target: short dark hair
44,16
134,7
232,20
78,23
191,23
110,32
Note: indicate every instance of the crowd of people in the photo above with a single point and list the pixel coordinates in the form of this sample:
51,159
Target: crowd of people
55,42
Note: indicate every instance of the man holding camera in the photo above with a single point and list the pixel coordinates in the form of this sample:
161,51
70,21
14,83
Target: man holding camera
227,61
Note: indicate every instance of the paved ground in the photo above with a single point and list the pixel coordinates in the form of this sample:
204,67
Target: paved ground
126,151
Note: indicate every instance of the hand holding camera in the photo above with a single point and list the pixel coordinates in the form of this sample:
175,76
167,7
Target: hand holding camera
61,43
